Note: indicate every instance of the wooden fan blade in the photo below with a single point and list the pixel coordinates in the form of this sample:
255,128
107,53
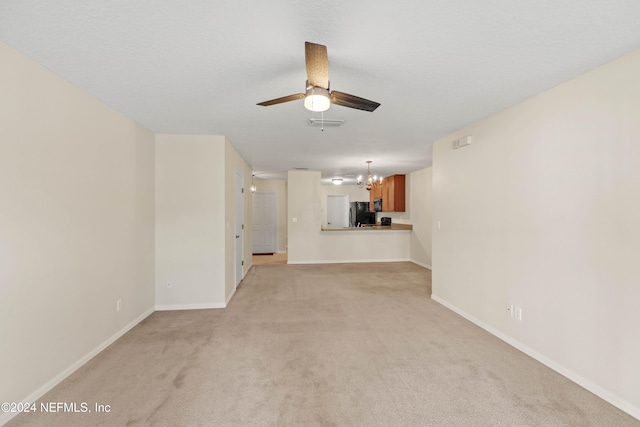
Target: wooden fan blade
317,64
351,101
281,100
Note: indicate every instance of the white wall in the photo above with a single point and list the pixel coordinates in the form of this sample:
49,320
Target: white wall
76,227
420,205
542,211
308,244
279,188
190,221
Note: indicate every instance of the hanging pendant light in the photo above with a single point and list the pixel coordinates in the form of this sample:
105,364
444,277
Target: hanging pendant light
253,186
369,179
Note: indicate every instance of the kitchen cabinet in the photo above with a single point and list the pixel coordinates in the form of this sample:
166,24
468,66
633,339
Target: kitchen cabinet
375,193
377,190
393,193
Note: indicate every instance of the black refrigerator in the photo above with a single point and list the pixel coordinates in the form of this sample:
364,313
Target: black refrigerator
359,214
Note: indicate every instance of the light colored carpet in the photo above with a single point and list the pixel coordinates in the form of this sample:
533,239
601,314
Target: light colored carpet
329,345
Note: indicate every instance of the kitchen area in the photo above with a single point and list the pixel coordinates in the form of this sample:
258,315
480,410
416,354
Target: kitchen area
308,239
311,240
386,197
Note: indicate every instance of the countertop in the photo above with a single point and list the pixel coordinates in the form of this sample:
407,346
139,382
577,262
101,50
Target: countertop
392,227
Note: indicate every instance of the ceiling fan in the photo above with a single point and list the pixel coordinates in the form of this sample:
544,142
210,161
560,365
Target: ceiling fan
317,96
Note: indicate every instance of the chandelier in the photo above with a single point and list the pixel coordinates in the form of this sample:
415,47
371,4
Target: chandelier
369,179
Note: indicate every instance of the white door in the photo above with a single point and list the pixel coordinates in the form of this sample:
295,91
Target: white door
239,228
264,222
337,210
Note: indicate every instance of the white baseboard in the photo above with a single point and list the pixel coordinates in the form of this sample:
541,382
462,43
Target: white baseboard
594,388
5,417
226,303
189,306
348,261
421,264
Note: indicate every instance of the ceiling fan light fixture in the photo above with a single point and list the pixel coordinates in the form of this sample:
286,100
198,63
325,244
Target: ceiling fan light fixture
337,181
317,99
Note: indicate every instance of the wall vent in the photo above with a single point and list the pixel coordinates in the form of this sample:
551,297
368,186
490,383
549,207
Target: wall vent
462,142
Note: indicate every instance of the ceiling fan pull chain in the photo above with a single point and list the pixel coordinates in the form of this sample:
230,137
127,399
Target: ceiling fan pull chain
322,121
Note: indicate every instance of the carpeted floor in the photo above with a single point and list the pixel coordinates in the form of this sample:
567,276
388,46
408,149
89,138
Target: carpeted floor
326,345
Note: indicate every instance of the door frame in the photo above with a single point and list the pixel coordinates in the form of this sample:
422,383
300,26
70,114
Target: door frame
342,198
274,213
239,230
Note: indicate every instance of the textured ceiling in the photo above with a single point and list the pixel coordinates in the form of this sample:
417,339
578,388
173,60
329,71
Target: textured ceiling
200,66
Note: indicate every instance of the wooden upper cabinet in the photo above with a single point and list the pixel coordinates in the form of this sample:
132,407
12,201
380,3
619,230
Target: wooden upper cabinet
377,190
375,193
387,186
393,193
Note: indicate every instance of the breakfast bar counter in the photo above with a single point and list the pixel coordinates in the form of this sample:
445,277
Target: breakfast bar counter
392,227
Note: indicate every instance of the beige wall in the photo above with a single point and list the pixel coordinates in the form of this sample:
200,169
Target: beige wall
279,188
303,196
195,220
541,211
419,189
190,221
76,227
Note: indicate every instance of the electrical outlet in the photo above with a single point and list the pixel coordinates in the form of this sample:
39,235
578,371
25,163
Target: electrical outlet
169,285
119,305
518,313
